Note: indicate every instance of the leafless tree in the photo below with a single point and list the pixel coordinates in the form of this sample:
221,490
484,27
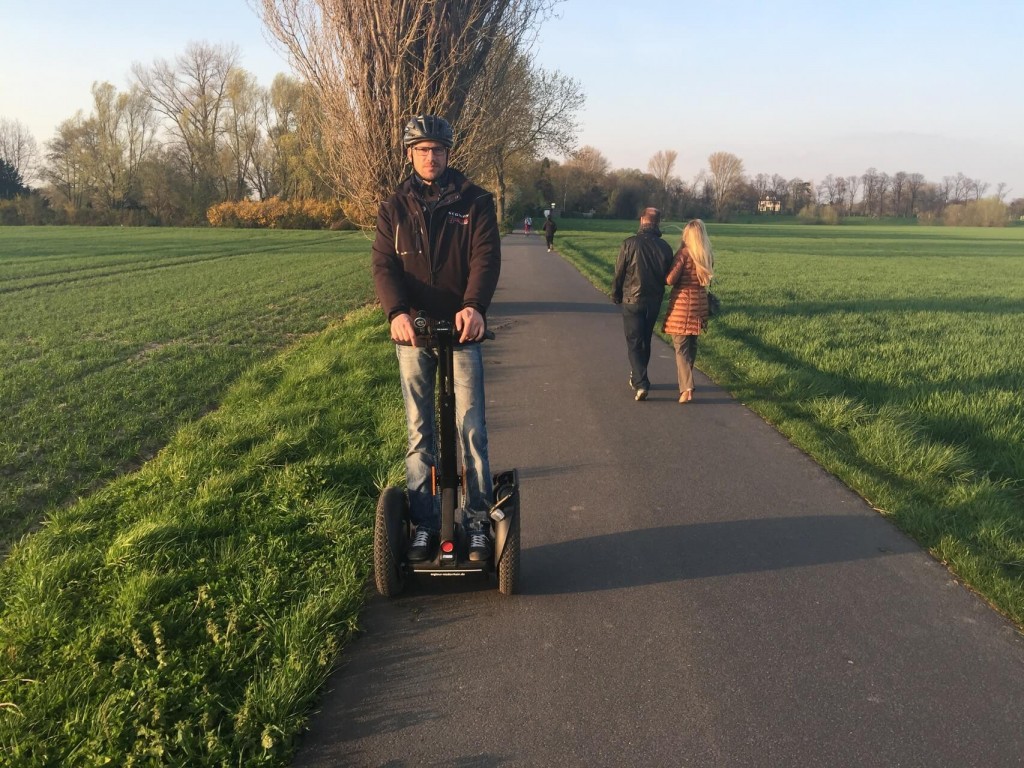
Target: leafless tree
870,181
373,63
914,183
899,183
1002,190
977,187
18,147
192,94
727,172
245,124
661,164
125,130
852,187
515,112
70,155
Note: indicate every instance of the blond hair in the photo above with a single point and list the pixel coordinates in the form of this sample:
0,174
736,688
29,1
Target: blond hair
695,238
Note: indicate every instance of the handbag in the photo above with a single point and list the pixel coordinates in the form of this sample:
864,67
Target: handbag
714,305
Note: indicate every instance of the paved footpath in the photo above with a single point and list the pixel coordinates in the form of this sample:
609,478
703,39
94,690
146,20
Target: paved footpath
695,591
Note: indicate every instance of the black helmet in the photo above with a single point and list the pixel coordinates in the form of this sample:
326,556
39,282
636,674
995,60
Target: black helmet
428,128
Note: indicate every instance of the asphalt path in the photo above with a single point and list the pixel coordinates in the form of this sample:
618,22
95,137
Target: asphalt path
695,591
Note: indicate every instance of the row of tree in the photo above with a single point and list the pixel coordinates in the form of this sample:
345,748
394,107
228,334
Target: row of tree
199,131
584,183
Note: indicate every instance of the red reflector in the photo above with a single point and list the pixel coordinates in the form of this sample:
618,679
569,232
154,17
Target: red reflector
447,546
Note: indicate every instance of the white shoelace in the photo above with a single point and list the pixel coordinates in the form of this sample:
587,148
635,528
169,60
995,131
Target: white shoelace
422,538
477,540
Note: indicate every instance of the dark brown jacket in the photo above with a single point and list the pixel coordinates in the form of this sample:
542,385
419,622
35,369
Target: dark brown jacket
687,313
436,257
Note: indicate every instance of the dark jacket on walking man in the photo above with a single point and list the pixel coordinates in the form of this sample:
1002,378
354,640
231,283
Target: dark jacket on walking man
549,231
639,286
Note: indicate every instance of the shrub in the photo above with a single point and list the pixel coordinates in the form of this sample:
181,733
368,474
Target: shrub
990,212
279,214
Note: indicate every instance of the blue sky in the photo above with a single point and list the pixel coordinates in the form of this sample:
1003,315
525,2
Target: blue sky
796,88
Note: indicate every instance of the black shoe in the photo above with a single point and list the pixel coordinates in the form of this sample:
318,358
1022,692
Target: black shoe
480,547
423,547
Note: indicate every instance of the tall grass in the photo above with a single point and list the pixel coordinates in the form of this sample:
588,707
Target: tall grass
111,339
892,355
187,613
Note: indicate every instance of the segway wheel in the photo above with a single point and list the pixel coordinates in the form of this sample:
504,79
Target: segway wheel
390,531
508,565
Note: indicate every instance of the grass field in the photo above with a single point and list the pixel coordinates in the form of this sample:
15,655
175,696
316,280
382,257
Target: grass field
893,356
111,339
228,432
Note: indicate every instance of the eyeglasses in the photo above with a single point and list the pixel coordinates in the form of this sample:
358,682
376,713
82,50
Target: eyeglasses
424,151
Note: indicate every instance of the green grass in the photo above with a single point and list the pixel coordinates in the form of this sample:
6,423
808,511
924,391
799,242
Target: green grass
187,614
893,356
112,339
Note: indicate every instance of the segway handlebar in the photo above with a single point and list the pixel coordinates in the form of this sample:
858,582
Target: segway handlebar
430,328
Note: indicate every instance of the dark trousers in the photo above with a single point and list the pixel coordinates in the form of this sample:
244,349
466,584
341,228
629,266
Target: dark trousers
638,322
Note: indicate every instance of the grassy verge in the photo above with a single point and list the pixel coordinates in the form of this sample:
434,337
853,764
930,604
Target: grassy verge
187,613
891,355
111,339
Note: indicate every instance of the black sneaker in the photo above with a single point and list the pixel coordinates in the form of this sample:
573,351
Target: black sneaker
480,547
423,546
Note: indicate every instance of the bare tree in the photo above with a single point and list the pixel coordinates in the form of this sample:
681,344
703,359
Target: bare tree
661,164
914,183
18,148
69,160
870,181
245,123
373,63
516,112
852,187
899,183
192,94
125,129
1002,190
727,173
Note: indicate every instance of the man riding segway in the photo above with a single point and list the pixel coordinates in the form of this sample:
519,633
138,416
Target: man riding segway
437,257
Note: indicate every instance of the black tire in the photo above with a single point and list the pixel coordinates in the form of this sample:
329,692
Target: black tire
508,565
390,531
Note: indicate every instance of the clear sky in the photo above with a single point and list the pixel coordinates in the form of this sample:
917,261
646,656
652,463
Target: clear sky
798,88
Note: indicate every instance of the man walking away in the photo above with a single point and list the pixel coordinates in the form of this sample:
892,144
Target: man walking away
549,231
639,286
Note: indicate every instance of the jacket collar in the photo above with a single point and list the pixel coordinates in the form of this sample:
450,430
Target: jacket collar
649,229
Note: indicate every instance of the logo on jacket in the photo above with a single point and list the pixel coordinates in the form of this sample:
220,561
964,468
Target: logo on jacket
458,218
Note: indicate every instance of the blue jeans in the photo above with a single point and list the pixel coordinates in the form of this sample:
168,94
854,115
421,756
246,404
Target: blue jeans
417,367
638,321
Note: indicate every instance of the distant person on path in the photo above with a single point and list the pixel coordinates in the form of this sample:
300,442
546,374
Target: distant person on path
549,232
687,315
527,225
438,251
639,286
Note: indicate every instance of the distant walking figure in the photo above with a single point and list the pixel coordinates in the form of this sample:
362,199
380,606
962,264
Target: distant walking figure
687,314
527,225
639,286
549,231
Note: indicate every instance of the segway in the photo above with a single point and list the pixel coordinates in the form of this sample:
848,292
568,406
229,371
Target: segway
392,526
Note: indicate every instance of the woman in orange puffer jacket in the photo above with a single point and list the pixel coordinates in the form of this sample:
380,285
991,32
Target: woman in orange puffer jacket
687,314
